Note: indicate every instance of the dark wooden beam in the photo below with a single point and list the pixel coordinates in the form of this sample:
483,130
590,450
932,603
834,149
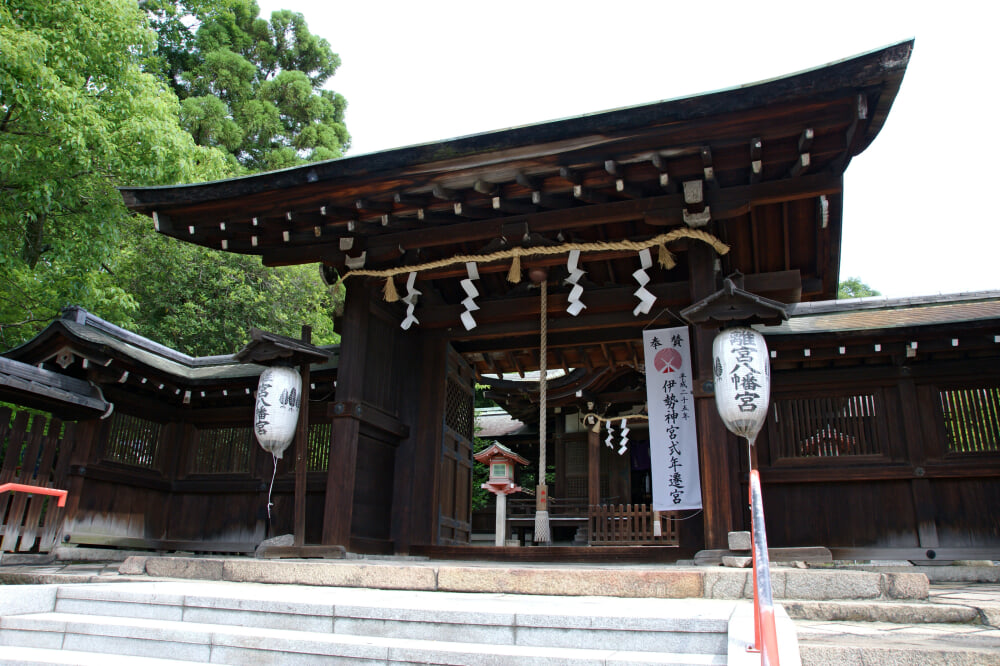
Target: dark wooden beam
589,195
571,176
444,193
725,202
486,187
706,163
800,165
514,207
374,206
756,163
528,182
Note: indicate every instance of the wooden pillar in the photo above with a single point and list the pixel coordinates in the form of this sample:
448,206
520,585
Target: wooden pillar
302,450
924,509
338,507
416,496
84,443
717,475
593,467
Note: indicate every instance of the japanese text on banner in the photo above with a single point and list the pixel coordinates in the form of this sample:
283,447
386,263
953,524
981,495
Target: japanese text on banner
673,438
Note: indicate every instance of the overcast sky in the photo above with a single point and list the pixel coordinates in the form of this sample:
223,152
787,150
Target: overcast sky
919,213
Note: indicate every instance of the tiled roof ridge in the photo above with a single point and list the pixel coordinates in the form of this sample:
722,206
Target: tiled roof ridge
886,303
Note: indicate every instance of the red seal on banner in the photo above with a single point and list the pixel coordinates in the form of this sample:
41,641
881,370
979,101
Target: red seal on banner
667,360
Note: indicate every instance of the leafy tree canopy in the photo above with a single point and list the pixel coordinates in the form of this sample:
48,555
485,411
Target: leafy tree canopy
78,116
250,86
853,287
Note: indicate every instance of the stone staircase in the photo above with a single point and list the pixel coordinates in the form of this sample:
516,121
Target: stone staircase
246,623
156,610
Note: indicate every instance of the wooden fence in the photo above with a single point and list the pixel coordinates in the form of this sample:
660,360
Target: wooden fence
630,524
35,450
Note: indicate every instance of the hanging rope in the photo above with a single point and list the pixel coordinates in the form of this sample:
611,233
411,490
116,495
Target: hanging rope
665,257
271,489
601,419
542,534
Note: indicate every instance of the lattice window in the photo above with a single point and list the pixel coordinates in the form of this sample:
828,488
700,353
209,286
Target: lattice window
576,486
827,426
319,446
132,441
576,458
223,451
972,419
458,409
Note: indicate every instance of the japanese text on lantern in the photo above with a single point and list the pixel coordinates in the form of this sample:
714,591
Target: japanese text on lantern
261,422
672,433
744,376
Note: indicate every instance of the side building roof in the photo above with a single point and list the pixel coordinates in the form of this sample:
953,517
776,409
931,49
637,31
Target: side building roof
82,346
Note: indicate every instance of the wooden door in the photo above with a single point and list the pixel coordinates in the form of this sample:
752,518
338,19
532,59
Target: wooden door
455,478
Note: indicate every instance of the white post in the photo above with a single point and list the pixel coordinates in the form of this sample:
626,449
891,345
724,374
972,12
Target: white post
501,526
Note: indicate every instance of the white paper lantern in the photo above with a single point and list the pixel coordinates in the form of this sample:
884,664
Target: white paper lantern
276,414
742,370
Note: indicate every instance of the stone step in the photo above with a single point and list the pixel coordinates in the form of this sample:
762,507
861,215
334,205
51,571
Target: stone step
35,656
613,581
823,643
695,625
895,612
219,643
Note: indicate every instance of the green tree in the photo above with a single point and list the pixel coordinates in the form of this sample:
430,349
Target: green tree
250,86
77,117
853,287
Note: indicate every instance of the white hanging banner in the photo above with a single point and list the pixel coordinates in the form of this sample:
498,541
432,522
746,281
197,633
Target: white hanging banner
673,438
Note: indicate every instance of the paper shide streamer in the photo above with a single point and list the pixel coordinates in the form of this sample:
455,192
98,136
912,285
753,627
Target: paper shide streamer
609,441
646,298
624,437
471,293
575,273
411,302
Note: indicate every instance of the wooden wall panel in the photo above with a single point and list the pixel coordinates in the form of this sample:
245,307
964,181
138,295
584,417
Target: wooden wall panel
373,490
967,512
840,514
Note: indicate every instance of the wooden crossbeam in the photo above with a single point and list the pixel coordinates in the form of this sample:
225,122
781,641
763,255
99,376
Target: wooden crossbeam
706,163
474,212
512,359
550,201
800,166
736,200
528,182
375,206
589,195
756,164
571,176
486,187
514,207
806,140
629,190
444,193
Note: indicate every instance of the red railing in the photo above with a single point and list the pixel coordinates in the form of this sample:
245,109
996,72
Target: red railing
765,633
37,490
